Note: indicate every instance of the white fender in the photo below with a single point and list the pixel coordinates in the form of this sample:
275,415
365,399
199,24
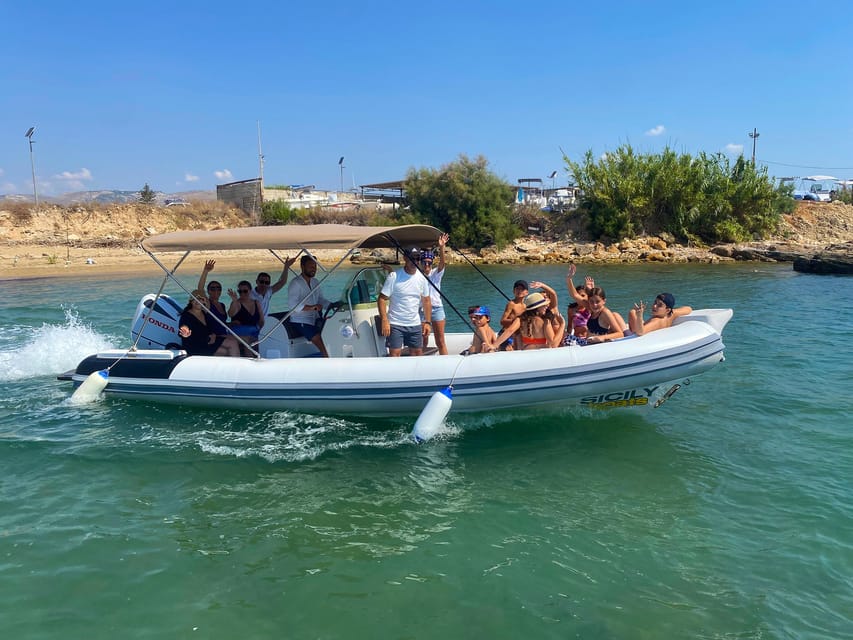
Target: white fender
433,415
91,387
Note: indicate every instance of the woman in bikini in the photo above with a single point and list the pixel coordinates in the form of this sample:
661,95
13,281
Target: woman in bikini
534,330
552,313
603,324
245,312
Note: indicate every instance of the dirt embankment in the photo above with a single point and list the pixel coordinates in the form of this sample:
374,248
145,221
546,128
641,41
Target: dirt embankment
76,239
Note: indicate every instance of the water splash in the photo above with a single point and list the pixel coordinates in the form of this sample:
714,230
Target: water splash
29,352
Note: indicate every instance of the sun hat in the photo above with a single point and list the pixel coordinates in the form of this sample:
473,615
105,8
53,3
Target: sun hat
480,311
668,299
535,301
520,284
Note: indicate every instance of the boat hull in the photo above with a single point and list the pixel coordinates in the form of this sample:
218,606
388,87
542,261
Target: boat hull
633,372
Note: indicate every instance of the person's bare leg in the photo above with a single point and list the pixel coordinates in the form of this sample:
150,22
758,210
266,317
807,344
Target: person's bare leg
317,341
438,329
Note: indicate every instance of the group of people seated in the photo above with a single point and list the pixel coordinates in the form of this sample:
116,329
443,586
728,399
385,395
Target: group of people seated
411,309
533,320
206,327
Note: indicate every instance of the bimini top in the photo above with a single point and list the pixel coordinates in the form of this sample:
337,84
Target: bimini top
310,236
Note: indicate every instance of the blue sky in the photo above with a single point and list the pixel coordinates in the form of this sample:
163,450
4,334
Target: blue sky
171,93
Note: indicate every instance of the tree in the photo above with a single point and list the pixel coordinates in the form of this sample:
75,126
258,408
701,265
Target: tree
465,199
146,194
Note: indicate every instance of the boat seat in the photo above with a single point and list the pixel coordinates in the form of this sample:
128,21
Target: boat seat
292,331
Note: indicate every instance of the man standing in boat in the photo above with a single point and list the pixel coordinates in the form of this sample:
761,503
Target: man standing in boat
408,290
263,289
304,295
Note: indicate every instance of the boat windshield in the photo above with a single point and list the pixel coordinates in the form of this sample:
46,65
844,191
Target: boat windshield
365,286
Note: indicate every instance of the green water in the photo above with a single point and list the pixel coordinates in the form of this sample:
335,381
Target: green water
724,514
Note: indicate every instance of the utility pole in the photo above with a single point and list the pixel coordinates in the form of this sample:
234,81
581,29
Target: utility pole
754,135
29,135
341,163
260,157
260,196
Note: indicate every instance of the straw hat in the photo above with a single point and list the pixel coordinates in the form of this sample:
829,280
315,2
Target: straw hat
535,301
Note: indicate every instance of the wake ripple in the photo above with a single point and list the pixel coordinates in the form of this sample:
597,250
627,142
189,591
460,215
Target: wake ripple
29,352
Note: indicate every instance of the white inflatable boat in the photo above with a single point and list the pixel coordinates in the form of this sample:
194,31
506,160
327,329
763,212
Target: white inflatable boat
358,378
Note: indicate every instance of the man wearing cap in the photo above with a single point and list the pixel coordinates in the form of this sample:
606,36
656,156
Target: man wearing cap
663,314
408,290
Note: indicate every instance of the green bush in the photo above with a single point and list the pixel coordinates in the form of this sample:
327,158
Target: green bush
466,199
277,212
626,194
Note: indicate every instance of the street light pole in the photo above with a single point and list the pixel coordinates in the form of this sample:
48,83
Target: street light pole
29,136
341,164
754,135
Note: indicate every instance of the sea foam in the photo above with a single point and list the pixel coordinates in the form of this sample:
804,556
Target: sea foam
30,352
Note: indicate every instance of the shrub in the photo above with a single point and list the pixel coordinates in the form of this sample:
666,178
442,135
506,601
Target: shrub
465,198
627,194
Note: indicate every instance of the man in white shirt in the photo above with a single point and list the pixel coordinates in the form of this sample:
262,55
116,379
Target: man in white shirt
408,290
263,289
304,295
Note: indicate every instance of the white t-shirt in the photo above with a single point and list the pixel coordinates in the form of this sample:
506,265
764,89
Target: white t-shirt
405,291
434,296
296,291
263,300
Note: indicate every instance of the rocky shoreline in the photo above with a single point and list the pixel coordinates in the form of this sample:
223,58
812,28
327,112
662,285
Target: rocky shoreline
817,238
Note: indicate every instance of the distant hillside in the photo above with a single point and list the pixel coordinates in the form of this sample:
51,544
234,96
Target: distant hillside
111,196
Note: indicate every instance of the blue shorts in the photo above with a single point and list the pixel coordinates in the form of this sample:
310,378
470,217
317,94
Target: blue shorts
437,314
411,337
308,331
245,330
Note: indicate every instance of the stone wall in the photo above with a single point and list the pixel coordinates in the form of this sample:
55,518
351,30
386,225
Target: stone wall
245,194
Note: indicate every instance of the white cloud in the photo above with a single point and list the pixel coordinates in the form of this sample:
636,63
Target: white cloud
8,187
72,176
188,177
734,149
656,131
73,180
225,174
1,171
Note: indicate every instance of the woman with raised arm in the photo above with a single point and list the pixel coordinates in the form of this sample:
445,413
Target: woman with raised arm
214,291
435,275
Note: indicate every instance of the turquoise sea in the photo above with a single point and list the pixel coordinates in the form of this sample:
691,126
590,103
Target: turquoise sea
726,513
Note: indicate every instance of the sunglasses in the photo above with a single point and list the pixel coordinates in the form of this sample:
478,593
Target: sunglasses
243,290
263,281
214,288
426,261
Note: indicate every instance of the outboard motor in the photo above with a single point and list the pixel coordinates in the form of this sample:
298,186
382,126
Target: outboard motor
161,323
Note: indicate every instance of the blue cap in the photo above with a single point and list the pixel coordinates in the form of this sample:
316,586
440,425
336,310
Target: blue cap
481,311
427,255
668,299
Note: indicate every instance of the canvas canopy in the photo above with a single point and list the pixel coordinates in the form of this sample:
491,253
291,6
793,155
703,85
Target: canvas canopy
316,236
